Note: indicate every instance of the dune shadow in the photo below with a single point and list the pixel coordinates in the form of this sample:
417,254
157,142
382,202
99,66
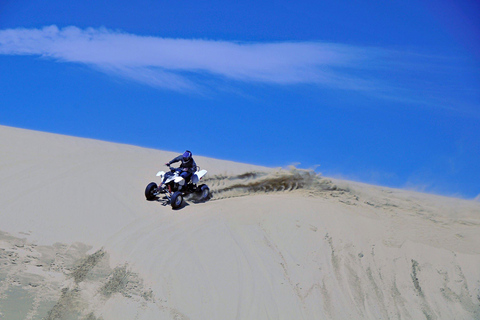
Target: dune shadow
165,201
184,204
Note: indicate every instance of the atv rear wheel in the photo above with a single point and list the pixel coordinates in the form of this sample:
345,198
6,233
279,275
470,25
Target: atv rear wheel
150,191
176,200
203,192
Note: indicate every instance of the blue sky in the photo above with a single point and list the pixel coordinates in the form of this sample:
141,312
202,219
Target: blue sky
384,92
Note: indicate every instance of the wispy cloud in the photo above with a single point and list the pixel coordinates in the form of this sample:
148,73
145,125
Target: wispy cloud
162,62
176,64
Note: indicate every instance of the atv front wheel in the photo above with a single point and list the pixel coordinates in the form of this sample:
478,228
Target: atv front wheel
176,200
150,191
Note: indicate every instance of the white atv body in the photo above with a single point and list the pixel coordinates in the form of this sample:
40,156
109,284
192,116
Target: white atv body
176,178
175,187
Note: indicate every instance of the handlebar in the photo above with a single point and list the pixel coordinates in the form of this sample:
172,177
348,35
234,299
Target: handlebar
172,169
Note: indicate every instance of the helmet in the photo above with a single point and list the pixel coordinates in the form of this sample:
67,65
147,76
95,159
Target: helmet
187,155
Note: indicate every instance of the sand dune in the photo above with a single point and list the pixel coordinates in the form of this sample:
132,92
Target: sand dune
78,240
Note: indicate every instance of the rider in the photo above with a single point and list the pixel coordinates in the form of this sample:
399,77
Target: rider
188,165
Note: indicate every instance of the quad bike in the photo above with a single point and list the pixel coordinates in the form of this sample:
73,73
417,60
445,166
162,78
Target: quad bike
175,188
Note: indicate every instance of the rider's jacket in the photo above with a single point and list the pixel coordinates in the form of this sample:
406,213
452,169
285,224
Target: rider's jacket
190,165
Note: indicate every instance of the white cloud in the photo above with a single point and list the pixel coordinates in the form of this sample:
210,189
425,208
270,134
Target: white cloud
163,62
178,64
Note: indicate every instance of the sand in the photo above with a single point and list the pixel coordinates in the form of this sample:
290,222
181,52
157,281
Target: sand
78,240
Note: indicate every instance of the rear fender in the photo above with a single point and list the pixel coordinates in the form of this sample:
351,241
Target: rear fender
197,176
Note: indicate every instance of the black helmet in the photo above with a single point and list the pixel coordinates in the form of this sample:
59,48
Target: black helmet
187,155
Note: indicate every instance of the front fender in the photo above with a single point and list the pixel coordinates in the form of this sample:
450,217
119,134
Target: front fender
180,180
161,174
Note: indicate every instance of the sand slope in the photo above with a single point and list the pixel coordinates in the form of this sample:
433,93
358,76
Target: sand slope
78,240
